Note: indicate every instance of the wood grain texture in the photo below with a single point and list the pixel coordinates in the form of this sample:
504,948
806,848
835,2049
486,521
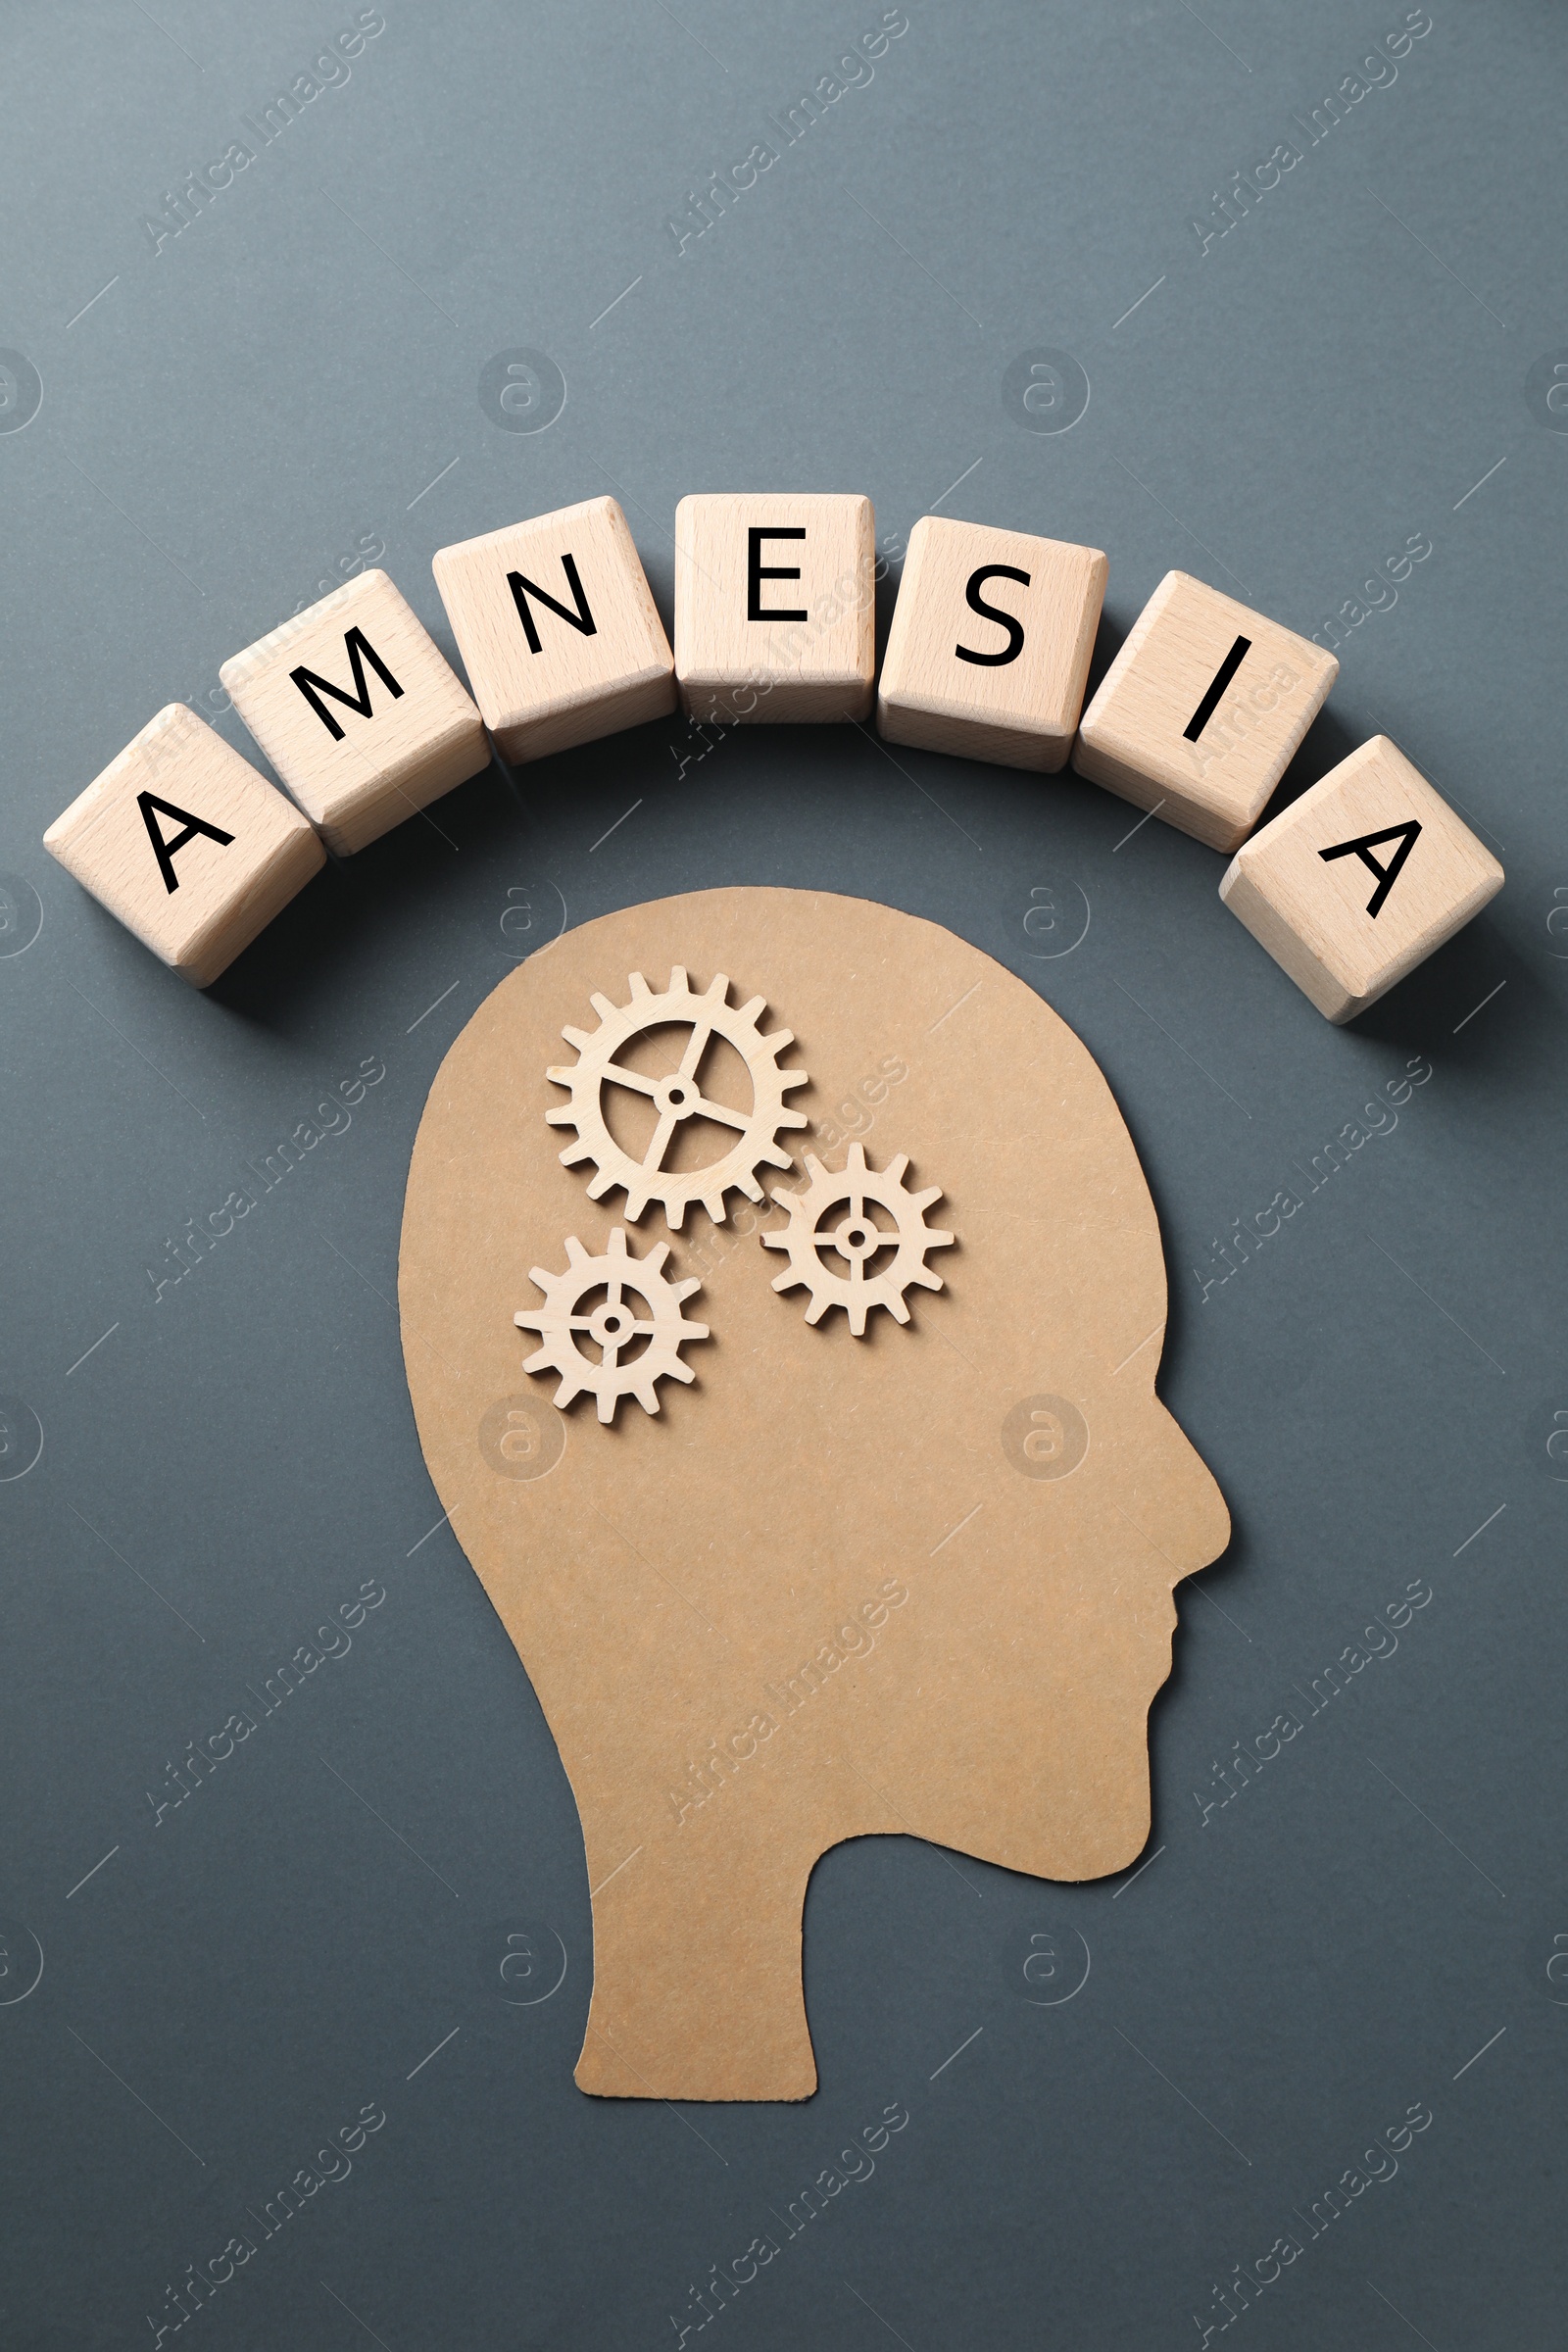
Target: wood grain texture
1133,739
381,766
1313,915
576,686
1020,713
918,1582
227,893
816,666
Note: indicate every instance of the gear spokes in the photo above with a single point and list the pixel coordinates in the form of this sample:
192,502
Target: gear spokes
677,1096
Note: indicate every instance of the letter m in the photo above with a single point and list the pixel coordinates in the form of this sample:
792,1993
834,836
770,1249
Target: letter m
801,115
582,620
359,650
1322,118
1328,1685
1328,2207
279,115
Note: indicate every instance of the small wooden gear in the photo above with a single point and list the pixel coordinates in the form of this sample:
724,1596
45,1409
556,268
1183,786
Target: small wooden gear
857,1240
611,1325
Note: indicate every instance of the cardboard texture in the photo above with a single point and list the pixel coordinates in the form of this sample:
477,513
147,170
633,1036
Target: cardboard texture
358,712
1202,711
988,654
184,842
917,1581
1355,884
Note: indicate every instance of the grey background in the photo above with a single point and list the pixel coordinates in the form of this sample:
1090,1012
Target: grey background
223,426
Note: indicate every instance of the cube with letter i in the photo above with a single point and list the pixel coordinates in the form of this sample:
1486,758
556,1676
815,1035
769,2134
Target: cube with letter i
1352,886
558,628
359,714
775,607
184,842
989,651
1202,712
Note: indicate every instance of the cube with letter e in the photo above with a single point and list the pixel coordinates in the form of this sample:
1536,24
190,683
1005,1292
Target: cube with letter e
774,606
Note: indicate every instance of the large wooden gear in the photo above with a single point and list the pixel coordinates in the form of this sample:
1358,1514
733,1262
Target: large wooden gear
677,1096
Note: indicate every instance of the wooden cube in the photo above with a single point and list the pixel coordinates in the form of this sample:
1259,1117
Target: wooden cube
989,649
775,607
187,845
359,714
1358,881
1202,712
558,626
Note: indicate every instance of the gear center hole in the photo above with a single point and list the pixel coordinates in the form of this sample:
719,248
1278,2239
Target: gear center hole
863,1239
610,1325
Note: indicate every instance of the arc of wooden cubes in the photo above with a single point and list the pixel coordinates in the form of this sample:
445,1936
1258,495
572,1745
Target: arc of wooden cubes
988,658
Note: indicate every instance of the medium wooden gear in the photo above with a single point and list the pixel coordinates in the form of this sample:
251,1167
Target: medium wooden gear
857,1239
610,1325
677,1097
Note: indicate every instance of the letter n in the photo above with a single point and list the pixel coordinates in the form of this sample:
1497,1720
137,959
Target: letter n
582,620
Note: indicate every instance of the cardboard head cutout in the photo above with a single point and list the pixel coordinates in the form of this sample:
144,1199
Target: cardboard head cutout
915,1581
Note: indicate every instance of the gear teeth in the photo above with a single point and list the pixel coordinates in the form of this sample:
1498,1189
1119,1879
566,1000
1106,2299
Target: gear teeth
895,1306
574,1152
574,1036
576,1254
561,1117
776,1158
750,1186
896,1169
817,1308
655,1258
752,1010
789,1280
601,1185
679,985
638,986
717,990
603,1006
777,1039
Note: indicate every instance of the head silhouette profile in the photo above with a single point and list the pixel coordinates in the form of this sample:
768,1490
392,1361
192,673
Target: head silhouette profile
915,1581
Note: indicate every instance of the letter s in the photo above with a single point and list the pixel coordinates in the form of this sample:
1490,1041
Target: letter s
977,604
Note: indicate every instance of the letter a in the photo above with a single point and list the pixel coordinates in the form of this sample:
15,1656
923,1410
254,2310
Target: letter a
165,851
1388,875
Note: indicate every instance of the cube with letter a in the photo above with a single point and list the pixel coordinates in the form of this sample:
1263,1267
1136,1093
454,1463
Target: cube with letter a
558,628
184,842
1352,885
775,607
1202,712
989,649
